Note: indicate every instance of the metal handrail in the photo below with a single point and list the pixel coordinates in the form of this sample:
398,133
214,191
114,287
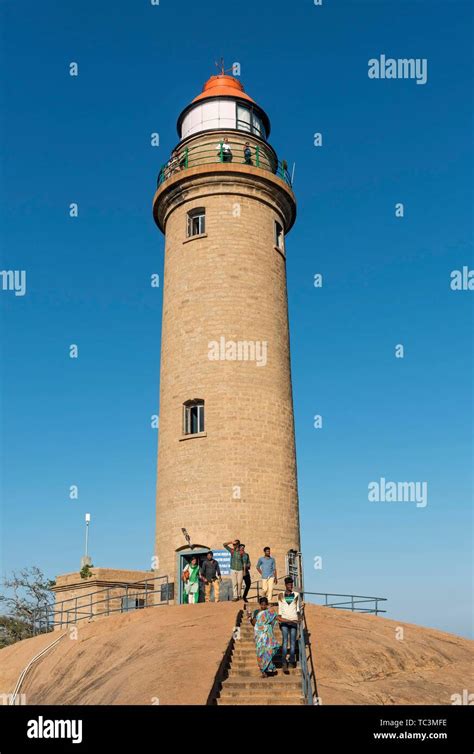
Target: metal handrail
302,629
305,676
25,670
350,604
353,600
311,670
42,616
257,585
206,153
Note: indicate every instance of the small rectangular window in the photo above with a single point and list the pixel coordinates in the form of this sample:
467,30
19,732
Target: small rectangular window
196,222
132,603
279,238
193,417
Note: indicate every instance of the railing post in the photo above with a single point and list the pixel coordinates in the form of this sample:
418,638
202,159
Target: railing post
221,153
326,600
376,607
257,156
306,680
186,157
352,602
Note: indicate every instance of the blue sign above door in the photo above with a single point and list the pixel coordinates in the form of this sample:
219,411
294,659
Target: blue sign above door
223,558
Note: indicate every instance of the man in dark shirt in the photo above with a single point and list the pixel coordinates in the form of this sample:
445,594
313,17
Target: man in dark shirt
246,569
211,574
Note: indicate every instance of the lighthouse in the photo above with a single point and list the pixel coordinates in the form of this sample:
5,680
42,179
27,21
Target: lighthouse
226,447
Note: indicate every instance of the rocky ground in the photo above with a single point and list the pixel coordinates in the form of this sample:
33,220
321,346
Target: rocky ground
170,655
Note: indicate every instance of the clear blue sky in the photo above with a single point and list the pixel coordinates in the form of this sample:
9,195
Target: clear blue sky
386,280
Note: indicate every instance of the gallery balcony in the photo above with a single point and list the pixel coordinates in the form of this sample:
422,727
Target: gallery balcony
254,155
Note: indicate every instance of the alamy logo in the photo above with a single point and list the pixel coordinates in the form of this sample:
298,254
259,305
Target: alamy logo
462,280
14,280
398,492
464,698
12,699
42,728
398,68
238,350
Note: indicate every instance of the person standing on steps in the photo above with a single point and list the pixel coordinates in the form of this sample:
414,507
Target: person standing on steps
246,571
266,643
266,567
211,575
236,567
290,611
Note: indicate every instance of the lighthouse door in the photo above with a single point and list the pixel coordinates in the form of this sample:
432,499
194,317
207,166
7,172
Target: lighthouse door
184,557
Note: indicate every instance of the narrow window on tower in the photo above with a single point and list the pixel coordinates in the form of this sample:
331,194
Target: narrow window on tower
257,126
279,238
193,417
196,222
243,118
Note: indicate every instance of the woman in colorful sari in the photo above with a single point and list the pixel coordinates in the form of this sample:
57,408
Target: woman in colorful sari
191,581
266,645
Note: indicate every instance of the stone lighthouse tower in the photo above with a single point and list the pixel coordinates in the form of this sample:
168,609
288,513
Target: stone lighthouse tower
226,451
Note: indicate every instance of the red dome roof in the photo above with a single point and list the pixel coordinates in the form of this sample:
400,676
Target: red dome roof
223,86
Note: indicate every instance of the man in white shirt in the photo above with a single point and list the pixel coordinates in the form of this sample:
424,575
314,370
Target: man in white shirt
225,151
290,613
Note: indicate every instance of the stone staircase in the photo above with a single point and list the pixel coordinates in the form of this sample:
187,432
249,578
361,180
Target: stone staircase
244,684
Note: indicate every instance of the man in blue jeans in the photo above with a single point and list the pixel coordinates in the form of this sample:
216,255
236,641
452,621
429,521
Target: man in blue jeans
289,616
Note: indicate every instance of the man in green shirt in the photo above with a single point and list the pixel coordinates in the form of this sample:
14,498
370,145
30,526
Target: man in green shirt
236,567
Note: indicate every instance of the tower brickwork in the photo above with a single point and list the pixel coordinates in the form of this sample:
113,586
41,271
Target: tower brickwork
228,468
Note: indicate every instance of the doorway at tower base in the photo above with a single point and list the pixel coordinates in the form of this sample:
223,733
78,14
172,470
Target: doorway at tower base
184,557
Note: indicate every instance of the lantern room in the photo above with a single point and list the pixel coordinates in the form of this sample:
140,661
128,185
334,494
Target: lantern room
223,104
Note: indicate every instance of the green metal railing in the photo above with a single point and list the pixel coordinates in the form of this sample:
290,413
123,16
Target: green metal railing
207,153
